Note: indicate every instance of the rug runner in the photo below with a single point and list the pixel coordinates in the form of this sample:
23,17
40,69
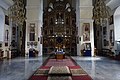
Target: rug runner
65,69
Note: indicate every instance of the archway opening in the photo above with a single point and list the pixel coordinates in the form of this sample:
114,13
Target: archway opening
117,29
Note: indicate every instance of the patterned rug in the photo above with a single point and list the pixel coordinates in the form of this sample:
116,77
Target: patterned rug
59,78
78,72
41,72
63,62
60,72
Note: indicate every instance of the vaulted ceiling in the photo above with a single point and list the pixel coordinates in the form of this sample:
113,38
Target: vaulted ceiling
112,4
6,3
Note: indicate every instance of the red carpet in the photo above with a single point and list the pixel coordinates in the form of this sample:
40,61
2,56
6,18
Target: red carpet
64,62
75,71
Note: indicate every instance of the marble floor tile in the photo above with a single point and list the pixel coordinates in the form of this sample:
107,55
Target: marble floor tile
19,68
99,68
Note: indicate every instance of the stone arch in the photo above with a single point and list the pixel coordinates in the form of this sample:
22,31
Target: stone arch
117,24
117,29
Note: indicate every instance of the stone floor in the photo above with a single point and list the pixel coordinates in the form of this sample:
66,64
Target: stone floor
99,68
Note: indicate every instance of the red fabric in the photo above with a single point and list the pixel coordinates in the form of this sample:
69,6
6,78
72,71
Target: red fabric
74,67
64,62
82,77
38,78
45,67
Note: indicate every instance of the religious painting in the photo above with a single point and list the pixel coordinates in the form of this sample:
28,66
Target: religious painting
13,43
88,46
111,20
35,43
111,37
13,30
6,35
106,43
32,27
6,20
41,40
32,32
28,44
32,36
6,44
31,43
86,32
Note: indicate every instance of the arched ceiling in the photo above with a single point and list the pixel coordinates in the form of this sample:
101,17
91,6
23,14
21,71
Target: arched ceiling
112,3
6,3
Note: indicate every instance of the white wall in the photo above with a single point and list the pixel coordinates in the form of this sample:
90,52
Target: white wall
4,5
117,29
85,7
2,21
86,14
34,15
78,25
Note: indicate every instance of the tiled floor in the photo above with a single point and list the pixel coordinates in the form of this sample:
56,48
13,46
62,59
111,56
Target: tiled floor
19,68
99,68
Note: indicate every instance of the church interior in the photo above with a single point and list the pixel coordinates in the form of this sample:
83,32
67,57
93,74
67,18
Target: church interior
59,40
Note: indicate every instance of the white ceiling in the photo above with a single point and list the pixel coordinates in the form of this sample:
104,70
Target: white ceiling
6,3
112,3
